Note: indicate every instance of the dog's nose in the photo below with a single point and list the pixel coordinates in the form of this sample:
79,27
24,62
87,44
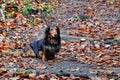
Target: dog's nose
55,35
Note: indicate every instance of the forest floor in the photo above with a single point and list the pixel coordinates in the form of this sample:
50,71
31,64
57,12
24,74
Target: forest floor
90,32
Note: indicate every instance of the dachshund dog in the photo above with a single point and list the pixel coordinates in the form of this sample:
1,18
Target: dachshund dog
47,47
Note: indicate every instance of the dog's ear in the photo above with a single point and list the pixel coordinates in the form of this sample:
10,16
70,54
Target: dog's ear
58,30
47,31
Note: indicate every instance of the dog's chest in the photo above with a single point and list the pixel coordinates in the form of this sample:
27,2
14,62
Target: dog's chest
50,48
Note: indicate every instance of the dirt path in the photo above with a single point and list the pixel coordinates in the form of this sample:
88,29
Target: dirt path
68,68
64,16
103,13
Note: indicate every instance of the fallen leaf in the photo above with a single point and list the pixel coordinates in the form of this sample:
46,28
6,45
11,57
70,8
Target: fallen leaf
24,75
104,78
82,78
15,78
2,70
32,78
26,25
90,11
38,20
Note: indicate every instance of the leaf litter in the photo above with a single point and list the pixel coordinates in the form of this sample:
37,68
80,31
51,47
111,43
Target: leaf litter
97,20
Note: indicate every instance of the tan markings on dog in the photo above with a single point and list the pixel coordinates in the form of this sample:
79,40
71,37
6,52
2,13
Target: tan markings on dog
53,31
40,53
44,57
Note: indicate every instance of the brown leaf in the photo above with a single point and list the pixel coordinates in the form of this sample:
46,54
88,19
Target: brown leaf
38,20
20,19
108,33
24,75
2,70
2,23
53,68
32,78
82,78
14,78
21,64
35,4
13,45
26,25
63,43
90,11
104,78
12,25
4,46
1,46
32,75
107,57
116,63
73,32
5,33
101,61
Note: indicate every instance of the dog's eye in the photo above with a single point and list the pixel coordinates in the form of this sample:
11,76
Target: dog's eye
53,29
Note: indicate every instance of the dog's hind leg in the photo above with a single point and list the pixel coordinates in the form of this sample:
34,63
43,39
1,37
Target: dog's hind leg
28,52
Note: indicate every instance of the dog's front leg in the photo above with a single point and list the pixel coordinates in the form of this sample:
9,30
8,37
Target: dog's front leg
43,56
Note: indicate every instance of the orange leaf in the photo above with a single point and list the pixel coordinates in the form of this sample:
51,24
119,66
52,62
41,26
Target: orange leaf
19,15
32,78
90,11
1,46
35,4
102,61
6,47
24,75
26,25
38,20
12,45
108,33
2,70
12,25
2,24
5,33
104,79
82,79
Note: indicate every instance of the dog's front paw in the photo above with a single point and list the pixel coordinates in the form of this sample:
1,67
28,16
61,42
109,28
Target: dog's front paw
44,57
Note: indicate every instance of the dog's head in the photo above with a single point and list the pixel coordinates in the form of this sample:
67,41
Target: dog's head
53,32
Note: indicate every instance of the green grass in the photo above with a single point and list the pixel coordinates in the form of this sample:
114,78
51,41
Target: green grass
45,11
81,16
112,0
22,71
25,10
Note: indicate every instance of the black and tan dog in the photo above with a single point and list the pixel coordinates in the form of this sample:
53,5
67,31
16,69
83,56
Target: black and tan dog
47,47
